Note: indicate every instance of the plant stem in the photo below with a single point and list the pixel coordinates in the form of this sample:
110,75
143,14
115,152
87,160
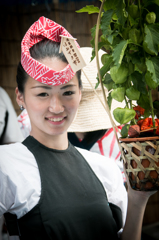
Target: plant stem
151,105
99,75
126,103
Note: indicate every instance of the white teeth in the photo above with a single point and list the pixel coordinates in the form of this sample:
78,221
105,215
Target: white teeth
55,119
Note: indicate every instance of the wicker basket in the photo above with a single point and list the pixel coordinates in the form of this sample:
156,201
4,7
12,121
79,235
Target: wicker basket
141,158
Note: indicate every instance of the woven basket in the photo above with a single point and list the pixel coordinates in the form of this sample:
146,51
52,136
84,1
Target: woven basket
141,158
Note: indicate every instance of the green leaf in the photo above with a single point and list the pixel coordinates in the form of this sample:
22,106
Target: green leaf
121,12
153,67
133,11
124,130
93,33
106,67
89,8
112,39
119,51
109,4
155,61
138,83
108,82
131,67
151,40
105,22
144,101
124,115
100,45
147,113
132,93
132,21
140,65
118,94
109,100
97,84
150,82
148,2
135,35
119,74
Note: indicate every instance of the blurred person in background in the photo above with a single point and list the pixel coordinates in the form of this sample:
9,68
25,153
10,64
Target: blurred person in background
9,128
9,132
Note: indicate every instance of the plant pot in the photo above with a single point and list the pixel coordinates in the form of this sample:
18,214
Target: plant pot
141,159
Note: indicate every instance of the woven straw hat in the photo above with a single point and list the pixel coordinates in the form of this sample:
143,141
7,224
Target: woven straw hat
91,114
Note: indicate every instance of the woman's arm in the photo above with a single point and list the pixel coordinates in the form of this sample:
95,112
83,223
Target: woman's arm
137,201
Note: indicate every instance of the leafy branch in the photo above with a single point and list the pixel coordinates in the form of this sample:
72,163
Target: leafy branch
130,40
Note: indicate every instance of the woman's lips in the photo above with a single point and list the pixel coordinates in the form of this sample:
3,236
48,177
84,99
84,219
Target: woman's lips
56,120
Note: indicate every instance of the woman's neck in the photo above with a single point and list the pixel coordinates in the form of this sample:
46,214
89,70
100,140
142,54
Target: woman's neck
59,142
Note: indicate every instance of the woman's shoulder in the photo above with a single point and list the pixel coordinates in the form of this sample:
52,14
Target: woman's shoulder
18,168
12,149
97,159
105,168
110,176
13,157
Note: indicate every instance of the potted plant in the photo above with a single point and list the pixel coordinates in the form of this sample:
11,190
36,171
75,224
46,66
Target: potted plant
128,32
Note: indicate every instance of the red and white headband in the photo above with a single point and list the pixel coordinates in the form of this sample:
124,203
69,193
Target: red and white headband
44,28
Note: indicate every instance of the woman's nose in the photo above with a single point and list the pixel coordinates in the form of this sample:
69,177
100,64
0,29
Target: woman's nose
56,105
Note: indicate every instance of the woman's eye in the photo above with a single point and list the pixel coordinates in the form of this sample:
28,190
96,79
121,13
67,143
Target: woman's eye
43,94
68,93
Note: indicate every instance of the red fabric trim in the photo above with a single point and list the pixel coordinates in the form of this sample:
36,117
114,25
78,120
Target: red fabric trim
117,156
112,146
100,146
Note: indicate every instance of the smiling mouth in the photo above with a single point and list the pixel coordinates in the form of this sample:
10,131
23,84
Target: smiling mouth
55,119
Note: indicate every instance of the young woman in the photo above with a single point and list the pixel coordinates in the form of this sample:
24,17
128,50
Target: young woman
48,188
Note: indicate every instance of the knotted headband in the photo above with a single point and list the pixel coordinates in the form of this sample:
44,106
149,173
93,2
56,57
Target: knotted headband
44,28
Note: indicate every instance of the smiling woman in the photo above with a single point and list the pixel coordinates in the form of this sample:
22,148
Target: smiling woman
51,108
49,105
50,189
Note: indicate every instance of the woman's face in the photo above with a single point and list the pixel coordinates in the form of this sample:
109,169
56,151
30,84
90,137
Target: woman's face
51,108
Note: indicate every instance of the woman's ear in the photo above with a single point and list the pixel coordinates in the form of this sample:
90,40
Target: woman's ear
19,98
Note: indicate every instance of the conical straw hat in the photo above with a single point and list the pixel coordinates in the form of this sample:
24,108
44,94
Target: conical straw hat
91,114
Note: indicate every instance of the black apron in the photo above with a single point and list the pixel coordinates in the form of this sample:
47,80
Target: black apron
73,203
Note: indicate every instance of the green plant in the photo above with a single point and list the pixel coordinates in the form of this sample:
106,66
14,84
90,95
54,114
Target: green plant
128,32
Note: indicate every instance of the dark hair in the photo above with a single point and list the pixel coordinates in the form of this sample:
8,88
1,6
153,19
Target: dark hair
41,50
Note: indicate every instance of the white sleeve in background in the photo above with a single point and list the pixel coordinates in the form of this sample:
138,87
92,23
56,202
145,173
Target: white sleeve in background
24,123
13,132
2,117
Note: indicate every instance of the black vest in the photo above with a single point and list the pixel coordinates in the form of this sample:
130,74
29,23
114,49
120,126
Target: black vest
73,204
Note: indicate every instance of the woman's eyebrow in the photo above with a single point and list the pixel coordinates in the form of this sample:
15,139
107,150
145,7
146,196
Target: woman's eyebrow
67,86
45,87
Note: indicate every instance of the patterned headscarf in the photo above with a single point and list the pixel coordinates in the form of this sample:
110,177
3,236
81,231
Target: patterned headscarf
44,28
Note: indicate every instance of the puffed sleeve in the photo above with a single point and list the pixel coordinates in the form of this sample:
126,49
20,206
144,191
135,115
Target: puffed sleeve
7,190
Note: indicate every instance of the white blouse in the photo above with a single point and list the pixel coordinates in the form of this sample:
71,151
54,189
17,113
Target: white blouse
20,184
